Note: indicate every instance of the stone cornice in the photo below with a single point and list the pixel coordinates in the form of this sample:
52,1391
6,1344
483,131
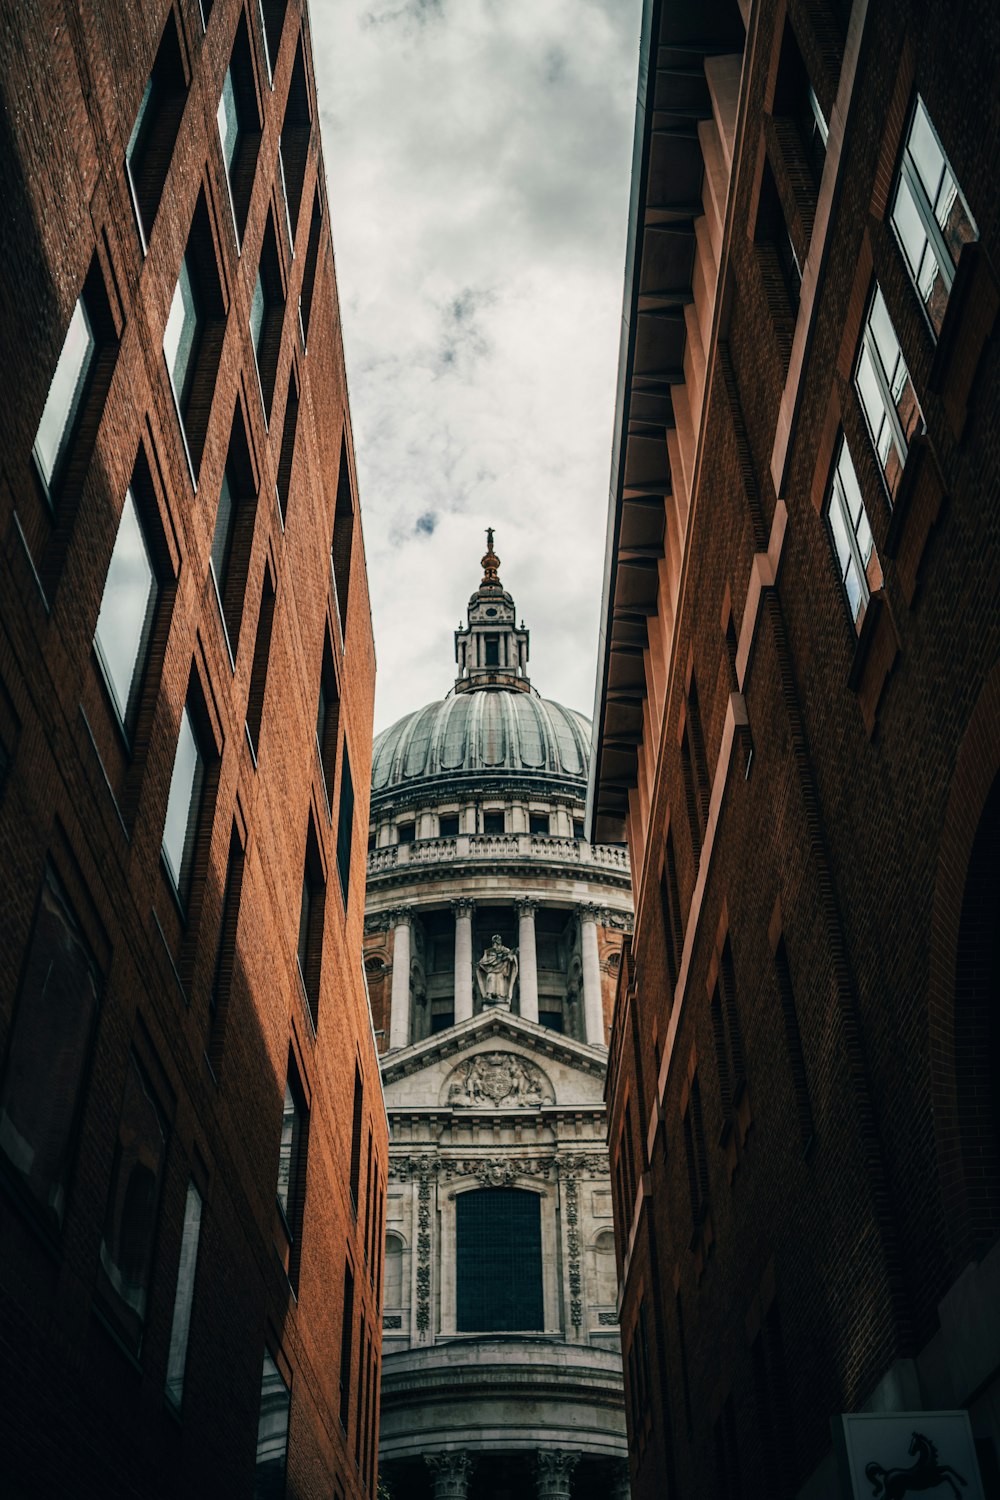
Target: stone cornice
461,1038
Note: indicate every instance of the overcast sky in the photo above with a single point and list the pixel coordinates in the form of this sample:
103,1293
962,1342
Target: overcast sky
478,155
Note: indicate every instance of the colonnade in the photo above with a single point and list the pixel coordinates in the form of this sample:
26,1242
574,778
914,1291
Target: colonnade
554,1469
465,962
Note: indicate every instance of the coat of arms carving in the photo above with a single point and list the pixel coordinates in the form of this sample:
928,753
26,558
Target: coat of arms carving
501,1079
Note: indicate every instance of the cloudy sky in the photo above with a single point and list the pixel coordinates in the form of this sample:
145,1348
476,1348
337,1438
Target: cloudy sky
478,155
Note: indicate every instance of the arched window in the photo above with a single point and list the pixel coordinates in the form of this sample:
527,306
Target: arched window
393,1270
499,1261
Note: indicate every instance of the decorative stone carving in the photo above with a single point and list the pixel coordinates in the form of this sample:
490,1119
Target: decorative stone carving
608,1320
424,1259
405,1167
573,1248
525,906
500,1080
555,1474
583,1165
392,1320
499,1171
496,972
464,906
451,1473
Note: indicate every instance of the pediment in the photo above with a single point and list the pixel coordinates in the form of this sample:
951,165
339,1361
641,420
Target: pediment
495,1062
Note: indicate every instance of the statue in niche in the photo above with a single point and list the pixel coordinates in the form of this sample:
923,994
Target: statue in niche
496,972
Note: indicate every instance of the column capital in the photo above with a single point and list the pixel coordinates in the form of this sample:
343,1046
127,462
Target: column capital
399,916
590,913
526,906
451,1472
555,1473
463,906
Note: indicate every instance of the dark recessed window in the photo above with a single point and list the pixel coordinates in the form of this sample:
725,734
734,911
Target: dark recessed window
407,833
47,1057
493,822
238,117
773,232
499,1261
261,657
126,1258
290,1189
356,1124
192,338
272,1433
930,215
309,948
180,1325
180,828
448,825
491,656
272,19
346,1346
293,144
343,538
795,100
442,1016
287,454
267,310
553,1019
154,134
233,535
128,605
345,824
225,952
538,822
578,828
327,722
309,270
883,383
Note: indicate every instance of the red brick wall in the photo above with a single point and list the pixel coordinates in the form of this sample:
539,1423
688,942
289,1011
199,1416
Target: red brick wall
79,1413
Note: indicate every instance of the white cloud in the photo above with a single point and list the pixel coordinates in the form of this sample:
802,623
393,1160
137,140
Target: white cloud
478,154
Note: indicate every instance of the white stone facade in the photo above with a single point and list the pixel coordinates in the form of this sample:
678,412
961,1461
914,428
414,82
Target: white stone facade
494,1081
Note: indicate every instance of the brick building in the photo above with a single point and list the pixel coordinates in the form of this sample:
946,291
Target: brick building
797,727
192,1135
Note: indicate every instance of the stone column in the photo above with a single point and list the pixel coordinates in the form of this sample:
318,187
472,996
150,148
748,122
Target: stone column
621,1485
399,1019
527,959
555,1474
593,1006
450,1473
463,910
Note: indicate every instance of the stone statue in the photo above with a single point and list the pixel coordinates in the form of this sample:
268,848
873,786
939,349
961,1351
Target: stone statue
496,972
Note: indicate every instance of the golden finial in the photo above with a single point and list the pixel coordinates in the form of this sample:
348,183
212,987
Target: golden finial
490,562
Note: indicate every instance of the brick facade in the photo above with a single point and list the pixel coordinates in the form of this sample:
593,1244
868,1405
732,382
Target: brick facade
193,1013
804,1055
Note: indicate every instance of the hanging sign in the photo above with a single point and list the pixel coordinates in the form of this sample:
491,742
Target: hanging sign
892,1455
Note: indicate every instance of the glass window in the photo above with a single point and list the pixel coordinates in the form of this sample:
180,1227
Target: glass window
65,394
180,337
288,1151
860,573
448,827
180,1326
183,803
886,391
305,915
345,825
284,193
53,1025
258,310
538,822
493,822
133,1205
272,1433
126,613
223,535
499,1261
228,119
930,216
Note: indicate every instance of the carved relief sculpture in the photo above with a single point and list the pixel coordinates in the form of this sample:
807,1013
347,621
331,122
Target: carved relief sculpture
499,1079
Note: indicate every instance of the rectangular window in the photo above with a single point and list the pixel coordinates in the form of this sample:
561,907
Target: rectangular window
343,539
355,1179
232,539
267,311
406,833
346,1346
225,953
328,721
126,1259
493,822
345,825
287,455
310,269
851,535
193,335
930,216
66,394
368,1199
886,391
272,17
180,1325
578,828
261,657
362,1392
272,1433
180,826
539,823
154,134
181,335
448,825
238,118
293,1152
126,614
795,100
49,1046
782,271
311,915
491,651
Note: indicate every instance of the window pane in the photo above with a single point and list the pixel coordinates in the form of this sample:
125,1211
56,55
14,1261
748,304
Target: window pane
841,537
133,1202
272,1433
345,824
180,335
142,123
288,1148
927,155
228,119
499,1261
222,535
55,1015
257,310
304,913
284,193
65,392
126,608
184,1296
182,808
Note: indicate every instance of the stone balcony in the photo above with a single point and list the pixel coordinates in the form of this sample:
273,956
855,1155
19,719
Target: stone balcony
499,848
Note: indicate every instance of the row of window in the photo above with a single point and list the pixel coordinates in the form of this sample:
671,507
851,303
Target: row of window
493,820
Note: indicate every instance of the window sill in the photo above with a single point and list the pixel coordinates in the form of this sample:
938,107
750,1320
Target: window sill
968,322
918,503
874,657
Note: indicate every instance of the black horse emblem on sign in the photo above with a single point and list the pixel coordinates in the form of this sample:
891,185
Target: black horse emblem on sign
926,1474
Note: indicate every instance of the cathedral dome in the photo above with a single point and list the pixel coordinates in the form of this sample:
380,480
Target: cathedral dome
498,729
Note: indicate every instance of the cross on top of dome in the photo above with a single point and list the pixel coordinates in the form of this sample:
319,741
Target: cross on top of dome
491,651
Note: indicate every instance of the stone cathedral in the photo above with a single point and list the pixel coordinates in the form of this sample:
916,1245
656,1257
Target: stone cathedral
493,938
